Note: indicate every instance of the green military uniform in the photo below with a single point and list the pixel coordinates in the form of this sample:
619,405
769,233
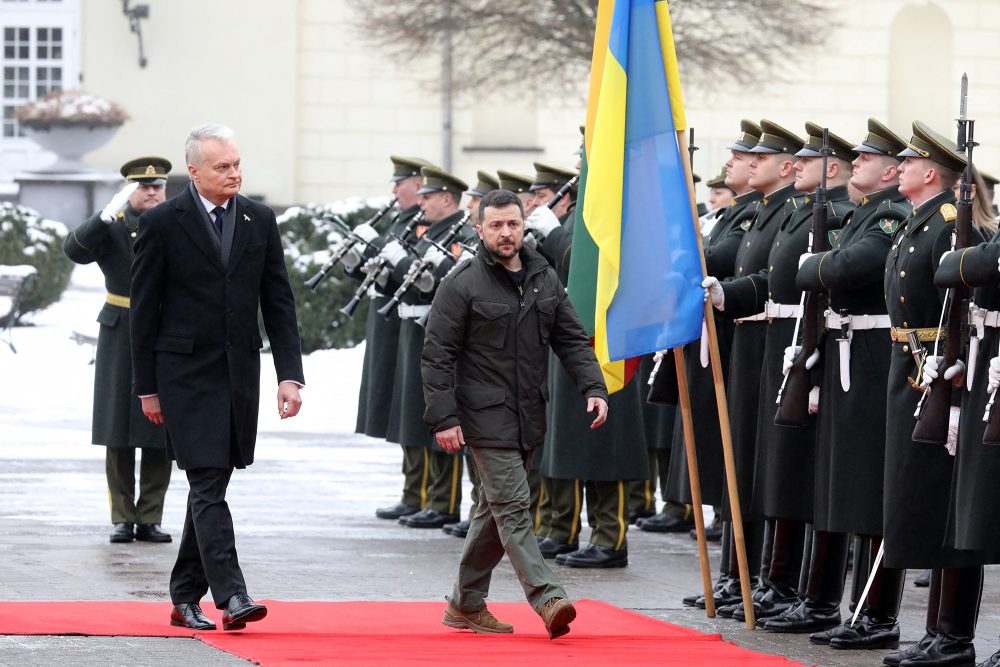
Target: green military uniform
576,458
406,425
118,421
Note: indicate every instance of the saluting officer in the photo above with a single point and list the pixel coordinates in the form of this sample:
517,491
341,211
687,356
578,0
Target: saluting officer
382,338
118,422
850,440
918,475
441,195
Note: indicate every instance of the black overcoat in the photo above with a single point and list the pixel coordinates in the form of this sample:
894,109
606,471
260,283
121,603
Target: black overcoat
118,420
195,335
850,438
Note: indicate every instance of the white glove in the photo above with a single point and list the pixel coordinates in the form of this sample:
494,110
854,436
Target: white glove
952,443
366,231
351,258
814,400
793,351
434,256
530,240
994,375
393,252
713,291
542,221
956,373
803,257
424,282
370,265
117,203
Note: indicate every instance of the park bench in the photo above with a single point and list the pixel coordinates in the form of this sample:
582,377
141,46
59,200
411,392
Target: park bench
81,338
15,283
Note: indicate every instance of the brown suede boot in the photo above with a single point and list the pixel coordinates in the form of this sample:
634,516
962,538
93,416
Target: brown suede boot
477,621
558,613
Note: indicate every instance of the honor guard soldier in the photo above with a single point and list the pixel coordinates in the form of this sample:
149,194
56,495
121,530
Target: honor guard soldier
917,474
721,247
850,441
441,195
783,481
519,185
772,174
485,183
382,338
575,458
118,421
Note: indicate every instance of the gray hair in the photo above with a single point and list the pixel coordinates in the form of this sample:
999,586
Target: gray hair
192,145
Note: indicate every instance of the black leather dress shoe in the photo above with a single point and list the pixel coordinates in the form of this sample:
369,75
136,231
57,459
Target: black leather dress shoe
594,555
551,548
773,602
923,579
636,514
151,532
713,533
992,661
396,511
667,523
429,518
240,610
805,617
189,615
122,532
896,657
460,529
868,632
944,650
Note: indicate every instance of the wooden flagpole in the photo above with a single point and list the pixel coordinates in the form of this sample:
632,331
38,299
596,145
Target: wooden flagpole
723,407
692,461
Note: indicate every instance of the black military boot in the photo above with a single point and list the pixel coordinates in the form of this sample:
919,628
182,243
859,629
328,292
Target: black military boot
930,624
785,538
877,626
698,599
958,611
827,571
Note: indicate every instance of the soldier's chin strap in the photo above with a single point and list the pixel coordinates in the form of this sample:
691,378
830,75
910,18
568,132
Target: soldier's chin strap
868,584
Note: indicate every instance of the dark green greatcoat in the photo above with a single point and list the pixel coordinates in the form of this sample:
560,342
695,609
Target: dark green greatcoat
118,420
917,475
617,450
720,246
381,340
850,437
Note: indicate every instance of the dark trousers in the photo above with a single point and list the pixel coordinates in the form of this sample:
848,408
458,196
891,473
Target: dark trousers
444,482
154,478
416,469
206,557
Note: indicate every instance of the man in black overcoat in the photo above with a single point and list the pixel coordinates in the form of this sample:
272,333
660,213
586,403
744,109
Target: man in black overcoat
205,262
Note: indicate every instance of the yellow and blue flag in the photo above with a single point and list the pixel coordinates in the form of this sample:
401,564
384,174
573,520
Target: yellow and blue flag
635,273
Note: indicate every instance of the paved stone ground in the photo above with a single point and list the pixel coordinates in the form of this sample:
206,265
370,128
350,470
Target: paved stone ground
306,530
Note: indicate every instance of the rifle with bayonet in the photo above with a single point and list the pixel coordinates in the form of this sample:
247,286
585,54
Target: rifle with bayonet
345,247
793,396
376,270
934,409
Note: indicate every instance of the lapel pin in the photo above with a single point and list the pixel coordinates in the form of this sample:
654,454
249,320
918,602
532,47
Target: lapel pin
246,217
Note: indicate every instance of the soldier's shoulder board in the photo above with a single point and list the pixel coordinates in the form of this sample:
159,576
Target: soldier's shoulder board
888,225
949,212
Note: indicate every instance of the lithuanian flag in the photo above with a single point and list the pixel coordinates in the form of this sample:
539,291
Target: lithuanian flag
635,273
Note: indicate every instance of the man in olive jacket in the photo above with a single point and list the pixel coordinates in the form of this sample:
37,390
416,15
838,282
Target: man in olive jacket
483,368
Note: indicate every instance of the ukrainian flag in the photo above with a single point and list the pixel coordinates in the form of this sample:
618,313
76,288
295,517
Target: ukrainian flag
635,274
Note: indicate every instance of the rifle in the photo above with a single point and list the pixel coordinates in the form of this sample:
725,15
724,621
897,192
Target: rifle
351,240
691,149
934,409
793,396
556,198
662,381
421,265
466,248
372,275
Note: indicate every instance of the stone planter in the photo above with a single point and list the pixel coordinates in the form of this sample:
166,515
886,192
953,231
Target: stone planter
70,143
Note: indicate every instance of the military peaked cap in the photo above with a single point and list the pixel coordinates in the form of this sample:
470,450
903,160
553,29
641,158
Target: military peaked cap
749,135
436,180
719,180
776,139
929,144
839,147
514,182
148,170
880,139
487,183
547,176
404,167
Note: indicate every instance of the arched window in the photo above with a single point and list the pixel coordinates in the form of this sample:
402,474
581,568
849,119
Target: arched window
922,82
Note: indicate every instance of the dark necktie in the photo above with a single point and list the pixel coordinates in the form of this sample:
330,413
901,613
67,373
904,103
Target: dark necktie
218,212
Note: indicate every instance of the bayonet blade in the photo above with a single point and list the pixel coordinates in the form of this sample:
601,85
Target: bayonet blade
963,104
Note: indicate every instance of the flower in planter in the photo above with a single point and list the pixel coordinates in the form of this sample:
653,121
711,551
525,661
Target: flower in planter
70,108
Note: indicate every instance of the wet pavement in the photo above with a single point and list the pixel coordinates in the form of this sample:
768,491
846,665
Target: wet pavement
306,530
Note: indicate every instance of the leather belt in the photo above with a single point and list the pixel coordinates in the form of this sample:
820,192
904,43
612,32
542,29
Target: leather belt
781,311
118,300
925,335
858,322
412,312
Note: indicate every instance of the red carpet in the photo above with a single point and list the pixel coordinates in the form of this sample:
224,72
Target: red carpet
380,633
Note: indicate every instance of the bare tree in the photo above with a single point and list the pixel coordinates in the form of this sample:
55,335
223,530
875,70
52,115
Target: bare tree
736,41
